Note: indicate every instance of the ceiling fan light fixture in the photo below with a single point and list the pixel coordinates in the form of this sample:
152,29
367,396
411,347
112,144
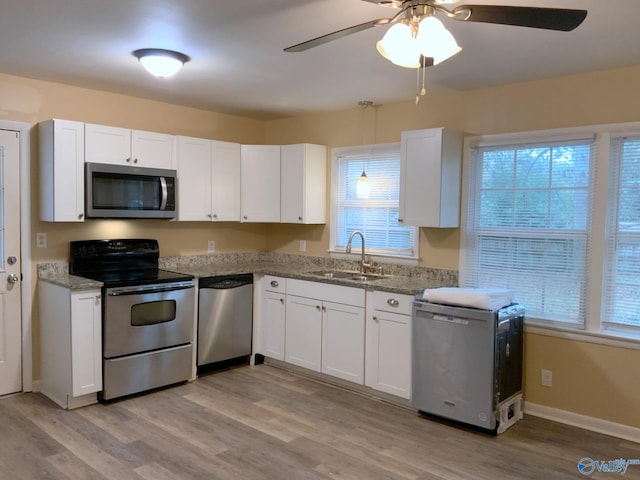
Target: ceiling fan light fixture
435,41
399,46
159,62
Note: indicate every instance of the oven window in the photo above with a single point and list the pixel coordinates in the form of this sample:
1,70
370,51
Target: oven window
150,313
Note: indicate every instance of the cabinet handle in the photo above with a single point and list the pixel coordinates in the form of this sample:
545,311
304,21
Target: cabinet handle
282,300
245,217
128,160
324,309
135,160
318,307
209,215
215,215
80,216
375,319
400,220
300,218
393,302
274,284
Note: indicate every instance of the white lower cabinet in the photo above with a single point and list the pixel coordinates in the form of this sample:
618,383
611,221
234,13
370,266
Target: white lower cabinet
273,317
71,344
388,343
343,341
325,329
303,338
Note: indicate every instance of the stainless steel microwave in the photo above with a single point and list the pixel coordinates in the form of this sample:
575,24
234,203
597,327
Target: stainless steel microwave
123,191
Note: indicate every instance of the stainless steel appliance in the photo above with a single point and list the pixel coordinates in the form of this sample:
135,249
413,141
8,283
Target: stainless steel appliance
225,318
147,314
123,191
467,364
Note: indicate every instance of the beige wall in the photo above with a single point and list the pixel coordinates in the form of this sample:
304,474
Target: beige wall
590,379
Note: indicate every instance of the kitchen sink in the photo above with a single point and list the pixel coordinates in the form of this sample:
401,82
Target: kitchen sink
355,276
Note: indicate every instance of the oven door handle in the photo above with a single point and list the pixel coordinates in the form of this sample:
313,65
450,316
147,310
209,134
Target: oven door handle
143,291
165,193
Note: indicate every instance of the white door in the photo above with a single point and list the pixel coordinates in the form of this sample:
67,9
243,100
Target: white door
10,314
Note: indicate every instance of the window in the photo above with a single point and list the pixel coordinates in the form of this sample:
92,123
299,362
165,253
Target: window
541,219
377,215
622,278
529,225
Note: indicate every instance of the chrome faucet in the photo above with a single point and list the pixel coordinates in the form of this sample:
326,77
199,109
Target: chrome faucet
363,263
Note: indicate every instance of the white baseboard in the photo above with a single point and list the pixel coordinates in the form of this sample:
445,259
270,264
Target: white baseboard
588,423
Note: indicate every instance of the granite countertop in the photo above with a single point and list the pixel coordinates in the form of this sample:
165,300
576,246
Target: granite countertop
400,280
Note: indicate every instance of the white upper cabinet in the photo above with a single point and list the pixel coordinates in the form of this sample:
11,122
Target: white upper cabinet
225,187
209,180
303,183
121,146
195,178
260,183
61,171
430,175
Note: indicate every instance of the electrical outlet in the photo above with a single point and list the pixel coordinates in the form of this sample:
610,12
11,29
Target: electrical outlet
41,240
211,246
547,378
303,245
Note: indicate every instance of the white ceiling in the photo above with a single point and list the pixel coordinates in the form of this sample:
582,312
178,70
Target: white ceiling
238,65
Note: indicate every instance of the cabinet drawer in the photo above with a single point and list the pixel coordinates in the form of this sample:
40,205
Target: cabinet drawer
326,292
275,284
393,302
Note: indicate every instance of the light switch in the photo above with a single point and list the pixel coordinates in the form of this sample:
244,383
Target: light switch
41,240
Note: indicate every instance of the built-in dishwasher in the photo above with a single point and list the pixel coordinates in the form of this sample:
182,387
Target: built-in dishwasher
225,318
467,364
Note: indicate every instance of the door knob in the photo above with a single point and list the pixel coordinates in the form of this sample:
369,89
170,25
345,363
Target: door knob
13,278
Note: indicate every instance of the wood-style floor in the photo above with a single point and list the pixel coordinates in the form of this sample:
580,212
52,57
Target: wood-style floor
266,423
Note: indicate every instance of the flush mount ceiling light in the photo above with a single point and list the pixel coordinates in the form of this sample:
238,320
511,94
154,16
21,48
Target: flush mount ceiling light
160,62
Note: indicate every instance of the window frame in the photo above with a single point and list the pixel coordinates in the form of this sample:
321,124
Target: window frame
593,330
337,251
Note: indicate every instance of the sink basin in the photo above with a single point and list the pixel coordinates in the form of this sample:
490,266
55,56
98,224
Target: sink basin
355,276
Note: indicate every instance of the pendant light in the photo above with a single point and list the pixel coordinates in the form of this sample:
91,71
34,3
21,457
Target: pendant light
363,187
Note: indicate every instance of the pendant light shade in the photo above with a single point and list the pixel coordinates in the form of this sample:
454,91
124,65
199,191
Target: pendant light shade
363,187
159,62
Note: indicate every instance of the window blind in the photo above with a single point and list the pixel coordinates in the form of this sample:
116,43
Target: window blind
376,216
621,309
529,224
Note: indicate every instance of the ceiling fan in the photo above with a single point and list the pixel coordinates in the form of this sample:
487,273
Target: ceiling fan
417,39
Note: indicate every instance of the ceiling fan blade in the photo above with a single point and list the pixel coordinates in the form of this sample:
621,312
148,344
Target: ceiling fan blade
561,19
301,47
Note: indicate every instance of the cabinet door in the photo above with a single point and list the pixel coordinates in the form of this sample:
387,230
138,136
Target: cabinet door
303,338
343,341
389,353
152,150
194,179
61,171
273,325
105,144
303,183
86,343
260,183
225,187
430,169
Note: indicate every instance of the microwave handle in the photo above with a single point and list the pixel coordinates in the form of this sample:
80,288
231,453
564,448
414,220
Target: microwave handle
165,193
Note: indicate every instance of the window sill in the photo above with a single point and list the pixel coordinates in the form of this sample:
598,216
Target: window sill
376,257
601,338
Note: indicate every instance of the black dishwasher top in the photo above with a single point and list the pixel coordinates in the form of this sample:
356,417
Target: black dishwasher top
226,281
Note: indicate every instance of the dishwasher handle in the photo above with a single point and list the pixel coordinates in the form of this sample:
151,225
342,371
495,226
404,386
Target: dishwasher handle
226,282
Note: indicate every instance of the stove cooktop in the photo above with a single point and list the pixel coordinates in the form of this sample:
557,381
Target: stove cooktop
136,277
